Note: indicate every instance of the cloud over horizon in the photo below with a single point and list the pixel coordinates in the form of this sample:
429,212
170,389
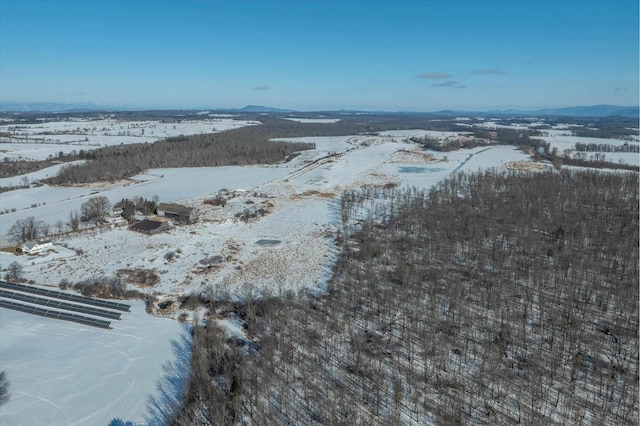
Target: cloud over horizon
488,71
435,75
450,83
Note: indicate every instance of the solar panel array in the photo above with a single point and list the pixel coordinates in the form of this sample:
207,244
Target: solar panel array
54,314
65,296
57,304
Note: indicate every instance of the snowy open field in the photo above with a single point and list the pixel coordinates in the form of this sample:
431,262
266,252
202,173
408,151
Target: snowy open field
63,373
313,120
567,142
301,199
43,140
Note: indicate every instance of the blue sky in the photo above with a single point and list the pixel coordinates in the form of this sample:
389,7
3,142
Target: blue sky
316,55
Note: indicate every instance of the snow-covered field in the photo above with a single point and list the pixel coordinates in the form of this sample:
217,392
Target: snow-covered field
44,140
47,172
302,213
560,137
313,120
70,374
567,142
65,374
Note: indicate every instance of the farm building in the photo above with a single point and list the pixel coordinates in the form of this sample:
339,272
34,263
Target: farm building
147,226
36,246
177,212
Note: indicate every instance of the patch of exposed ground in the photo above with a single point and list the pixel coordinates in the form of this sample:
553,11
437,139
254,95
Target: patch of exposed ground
319,194
416,156
280,264
139,277
528,166
11,249
103,185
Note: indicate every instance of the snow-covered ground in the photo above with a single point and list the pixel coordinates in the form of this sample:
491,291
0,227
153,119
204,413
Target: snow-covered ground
44,140
567,142
33,177
58,369
300,197
62,373
313,120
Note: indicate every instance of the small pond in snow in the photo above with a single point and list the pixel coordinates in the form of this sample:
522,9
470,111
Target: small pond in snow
413,169
268,242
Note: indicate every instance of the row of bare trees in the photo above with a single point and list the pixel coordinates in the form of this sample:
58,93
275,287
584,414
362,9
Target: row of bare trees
95,209
606,147
500,298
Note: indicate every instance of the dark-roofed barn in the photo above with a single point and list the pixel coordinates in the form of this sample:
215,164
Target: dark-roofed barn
177,212
149,226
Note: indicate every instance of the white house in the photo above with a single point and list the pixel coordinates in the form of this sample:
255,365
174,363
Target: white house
36,246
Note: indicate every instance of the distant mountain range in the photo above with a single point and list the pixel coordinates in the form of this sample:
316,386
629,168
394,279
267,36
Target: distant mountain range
592,111
58,107
576,111
259,108
88,107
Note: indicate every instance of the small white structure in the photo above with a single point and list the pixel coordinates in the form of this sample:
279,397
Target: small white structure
36,246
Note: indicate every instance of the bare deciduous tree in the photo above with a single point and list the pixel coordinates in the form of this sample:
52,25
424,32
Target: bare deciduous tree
74,221
94,209
26,229
14,271
4,388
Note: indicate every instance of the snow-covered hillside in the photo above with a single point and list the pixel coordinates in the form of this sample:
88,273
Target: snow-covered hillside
69,374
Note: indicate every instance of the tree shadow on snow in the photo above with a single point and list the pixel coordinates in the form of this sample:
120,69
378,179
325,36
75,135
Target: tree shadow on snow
172,386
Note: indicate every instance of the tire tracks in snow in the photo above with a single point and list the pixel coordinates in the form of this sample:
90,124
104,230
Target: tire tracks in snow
39,398
466,160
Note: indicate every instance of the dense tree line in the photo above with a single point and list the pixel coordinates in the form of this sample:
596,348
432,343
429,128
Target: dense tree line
496,298
605,147
241,146
10,167
436,144
517,137
481,137
121,162
614,127
596,161
580,159
607,130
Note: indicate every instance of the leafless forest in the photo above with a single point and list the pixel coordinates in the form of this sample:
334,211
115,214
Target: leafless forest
496,298
208,150
252,145
242,146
